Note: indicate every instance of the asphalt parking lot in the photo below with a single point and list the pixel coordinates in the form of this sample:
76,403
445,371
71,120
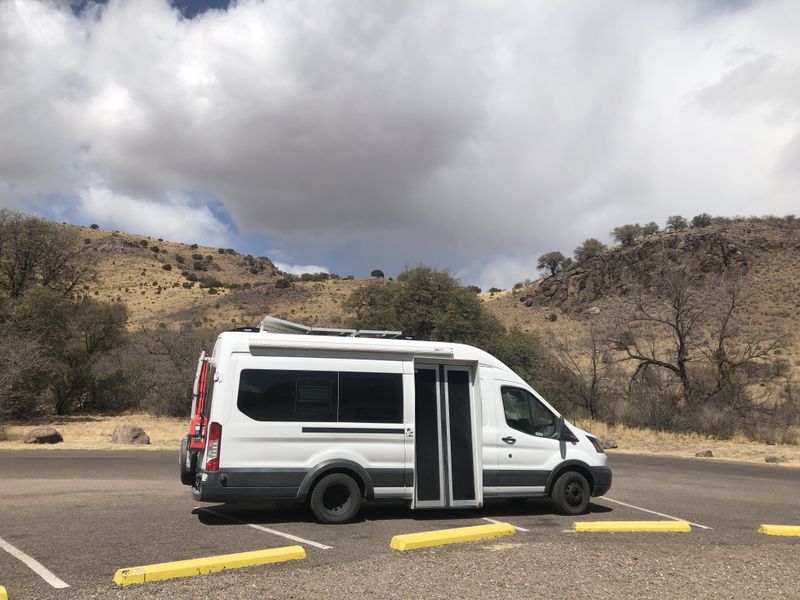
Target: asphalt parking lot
70,519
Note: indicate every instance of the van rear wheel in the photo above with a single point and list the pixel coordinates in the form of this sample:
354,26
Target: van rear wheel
336,498
571,493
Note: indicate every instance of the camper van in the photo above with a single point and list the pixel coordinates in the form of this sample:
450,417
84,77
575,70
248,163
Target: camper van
332,417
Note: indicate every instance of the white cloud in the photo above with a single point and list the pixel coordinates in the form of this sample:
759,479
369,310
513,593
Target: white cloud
300,269
386,134
177,218
500,271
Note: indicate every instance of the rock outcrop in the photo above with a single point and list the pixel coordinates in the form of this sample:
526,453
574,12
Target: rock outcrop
622,269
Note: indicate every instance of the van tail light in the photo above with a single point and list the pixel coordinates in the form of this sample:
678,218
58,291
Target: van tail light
214,447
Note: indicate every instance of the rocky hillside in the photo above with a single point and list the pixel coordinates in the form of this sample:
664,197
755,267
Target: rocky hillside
167,282
766,253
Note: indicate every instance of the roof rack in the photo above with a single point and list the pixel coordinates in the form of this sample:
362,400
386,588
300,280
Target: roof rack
275,325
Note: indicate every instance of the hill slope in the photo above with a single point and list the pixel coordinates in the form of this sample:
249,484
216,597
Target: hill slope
235,290
765,253
169,282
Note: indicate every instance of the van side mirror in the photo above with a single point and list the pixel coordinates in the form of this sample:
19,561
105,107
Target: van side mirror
560,428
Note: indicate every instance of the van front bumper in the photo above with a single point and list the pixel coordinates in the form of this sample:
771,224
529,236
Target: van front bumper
602,480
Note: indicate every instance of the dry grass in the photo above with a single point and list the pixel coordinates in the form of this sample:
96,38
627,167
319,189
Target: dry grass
94,433
633,440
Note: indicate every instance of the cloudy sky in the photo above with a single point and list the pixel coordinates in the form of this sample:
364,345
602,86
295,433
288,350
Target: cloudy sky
359,134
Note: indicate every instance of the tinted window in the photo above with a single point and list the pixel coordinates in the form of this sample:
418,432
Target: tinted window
313,397
525,413
371,397
212,372
288,395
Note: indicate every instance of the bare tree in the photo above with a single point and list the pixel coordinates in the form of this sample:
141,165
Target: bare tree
166,358
36,252
734,353
21,376
689,328
591,374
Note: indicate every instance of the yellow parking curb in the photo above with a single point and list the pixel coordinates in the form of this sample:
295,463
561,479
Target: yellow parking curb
3,593
634,526
209,564
426,539
779,530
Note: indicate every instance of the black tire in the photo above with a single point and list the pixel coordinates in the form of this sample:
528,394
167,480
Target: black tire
571,493
188,462
336,498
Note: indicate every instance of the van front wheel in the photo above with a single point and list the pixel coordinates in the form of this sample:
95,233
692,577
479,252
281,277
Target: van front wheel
571,493
335,499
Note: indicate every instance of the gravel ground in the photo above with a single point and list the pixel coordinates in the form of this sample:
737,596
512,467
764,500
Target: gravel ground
623,566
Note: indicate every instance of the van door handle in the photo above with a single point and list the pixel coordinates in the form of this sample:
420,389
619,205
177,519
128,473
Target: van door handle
509,440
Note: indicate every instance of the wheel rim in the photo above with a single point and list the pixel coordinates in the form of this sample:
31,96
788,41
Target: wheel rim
336,498
573,493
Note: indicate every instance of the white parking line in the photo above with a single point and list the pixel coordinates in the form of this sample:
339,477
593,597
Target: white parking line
34,565
265,529
652,512
514,526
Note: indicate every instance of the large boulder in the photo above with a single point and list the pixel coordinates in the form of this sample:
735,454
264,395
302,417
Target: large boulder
43,435
128,433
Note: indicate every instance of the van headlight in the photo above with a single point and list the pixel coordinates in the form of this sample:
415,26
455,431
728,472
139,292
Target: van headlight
596,443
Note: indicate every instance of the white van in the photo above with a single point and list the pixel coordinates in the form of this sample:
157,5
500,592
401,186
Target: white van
331,417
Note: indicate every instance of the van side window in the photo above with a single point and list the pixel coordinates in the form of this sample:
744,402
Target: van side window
272,395
371,397
524,412
313,398
267,395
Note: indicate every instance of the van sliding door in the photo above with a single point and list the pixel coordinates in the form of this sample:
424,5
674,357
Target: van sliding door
445,443
428,447
460,446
